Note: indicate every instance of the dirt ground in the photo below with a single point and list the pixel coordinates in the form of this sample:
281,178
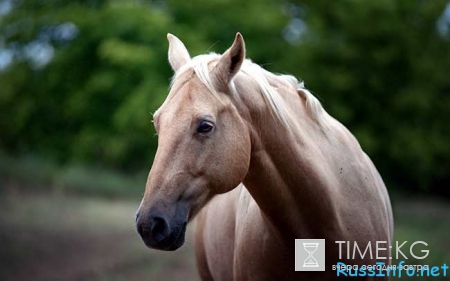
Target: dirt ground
47,237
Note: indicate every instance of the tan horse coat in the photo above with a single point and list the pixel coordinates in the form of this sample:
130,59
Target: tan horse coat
305,174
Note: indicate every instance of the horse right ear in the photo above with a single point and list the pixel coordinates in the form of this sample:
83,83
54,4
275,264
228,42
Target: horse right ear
230,62
178,54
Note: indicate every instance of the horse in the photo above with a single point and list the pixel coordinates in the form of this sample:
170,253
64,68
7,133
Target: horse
256,159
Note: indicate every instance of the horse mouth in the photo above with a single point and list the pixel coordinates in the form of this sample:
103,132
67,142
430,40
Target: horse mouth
179,238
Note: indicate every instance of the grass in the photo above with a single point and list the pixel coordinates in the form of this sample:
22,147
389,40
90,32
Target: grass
52,237
67,223
423,219
39,175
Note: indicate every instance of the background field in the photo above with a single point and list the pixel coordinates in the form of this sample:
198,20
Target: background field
48,237
52,237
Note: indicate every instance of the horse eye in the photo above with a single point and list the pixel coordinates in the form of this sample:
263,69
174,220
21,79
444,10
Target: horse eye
205,127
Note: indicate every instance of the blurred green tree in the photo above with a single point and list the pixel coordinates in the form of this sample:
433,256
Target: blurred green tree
92,101
79,79
382,68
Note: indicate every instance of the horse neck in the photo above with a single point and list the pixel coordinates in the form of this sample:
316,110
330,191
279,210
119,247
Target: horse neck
288,172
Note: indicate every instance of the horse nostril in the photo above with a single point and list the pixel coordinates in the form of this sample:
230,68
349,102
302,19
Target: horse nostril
160,230
140,230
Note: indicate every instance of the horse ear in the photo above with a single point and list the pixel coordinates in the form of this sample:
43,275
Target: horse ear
230,62
178,54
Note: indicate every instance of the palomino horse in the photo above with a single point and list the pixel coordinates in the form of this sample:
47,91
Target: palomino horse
226,121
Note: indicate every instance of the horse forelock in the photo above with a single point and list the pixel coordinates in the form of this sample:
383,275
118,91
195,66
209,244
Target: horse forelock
202,65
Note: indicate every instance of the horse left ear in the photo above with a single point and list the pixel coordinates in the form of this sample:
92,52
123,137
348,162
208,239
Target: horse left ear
230,62
178,54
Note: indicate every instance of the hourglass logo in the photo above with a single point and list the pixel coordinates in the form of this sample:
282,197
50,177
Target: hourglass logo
309,254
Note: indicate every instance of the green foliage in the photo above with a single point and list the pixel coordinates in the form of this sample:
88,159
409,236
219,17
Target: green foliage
380,67
92,103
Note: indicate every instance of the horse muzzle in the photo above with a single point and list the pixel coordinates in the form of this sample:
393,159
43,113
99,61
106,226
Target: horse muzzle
159,232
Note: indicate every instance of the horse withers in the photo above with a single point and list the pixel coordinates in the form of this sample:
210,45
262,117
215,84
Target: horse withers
227,121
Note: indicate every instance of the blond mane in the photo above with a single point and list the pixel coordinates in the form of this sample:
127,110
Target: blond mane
201,66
